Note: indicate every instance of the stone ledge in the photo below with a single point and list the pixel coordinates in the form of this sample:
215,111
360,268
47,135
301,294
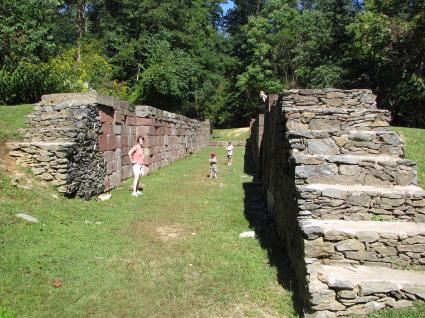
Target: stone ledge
335,119
357,275
336,291
410,191
352,228
351,202
332,142
372,170
390,244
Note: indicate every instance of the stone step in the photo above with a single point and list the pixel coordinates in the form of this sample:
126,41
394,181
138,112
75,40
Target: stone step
330,97
313,118
50,133
374,170
388,244
351,202
357,290
334,142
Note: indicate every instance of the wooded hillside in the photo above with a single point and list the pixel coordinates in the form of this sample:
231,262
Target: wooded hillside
191,57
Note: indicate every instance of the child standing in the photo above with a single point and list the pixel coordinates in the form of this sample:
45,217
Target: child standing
229,153
137,157
213,166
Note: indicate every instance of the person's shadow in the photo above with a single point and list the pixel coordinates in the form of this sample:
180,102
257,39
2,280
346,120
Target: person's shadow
261,221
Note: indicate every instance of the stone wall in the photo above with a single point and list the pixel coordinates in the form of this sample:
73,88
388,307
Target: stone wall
255,141
79,142
345,201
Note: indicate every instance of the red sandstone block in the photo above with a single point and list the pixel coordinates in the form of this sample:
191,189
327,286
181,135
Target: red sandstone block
143,121
126,172
125,129
142,130
109,167
124,141
132,130
107,142
132,121
125,160
106,115
117,117
108,156
103,144
118,141
107,183
107,128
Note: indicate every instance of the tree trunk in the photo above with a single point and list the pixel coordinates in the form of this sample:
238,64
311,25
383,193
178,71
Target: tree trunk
81,24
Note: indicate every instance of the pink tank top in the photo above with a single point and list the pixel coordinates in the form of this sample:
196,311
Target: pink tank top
138,154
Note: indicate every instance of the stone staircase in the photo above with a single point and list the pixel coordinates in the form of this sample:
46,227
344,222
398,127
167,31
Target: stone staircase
358,243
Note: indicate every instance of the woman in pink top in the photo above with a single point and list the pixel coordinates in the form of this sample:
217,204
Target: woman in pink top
137,157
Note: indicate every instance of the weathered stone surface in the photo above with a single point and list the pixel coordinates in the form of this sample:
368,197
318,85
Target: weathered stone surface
305,171
328,156
371,287
349,245
322,146
317,248
324,124
80,141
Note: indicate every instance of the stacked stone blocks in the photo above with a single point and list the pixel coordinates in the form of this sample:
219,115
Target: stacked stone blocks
345,201
80,142
255,139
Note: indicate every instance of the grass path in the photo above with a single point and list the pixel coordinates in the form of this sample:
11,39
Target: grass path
174,252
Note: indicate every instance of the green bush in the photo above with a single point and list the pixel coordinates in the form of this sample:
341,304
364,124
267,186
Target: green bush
26,82
93,70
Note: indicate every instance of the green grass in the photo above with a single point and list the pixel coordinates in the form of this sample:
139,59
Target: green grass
126,266
12,118
232,134
415,145
418,311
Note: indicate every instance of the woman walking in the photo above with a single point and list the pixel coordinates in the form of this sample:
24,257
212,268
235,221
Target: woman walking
137,157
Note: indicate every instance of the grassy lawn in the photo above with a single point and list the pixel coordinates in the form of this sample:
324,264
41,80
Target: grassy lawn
232,134
173,252
11,118
415,145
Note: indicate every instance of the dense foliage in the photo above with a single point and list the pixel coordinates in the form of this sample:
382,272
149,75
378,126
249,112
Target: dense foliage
186,56
375,44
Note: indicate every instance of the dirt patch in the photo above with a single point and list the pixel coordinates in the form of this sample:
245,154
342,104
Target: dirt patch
19,178
6,160
162,232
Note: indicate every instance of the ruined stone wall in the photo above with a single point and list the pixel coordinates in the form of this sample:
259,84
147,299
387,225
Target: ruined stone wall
335,180
79,142
255,140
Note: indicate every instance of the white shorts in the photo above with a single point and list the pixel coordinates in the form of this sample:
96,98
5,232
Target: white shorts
139,170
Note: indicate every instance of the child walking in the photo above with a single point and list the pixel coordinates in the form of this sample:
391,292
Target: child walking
213,165
137,157
229,153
